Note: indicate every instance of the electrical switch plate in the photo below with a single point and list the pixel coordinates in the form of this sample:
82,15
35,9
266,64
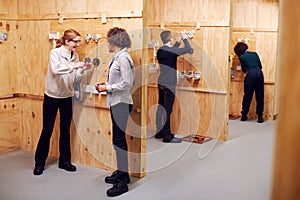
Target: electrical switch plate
198,25
103,18
154,43
53,35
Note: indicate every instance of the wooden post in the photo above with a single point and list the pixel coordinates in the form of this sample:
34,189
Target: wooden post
286,176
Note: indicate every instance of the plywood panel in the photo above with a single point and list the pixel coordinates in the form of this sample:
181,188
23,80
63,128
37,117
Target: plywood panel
206,12
98,149
33,50
31,123
265,44
33,70
9,74
258,22
210,57
286,182
81,9
9,124
255,14
236,97
8,9
93,128
81,140
113,5
85,148
93,26
44,8
193,113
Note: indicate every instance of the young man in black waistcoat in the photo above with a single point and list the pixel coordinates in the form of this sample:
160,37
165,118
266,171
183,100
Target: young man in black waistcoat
167,80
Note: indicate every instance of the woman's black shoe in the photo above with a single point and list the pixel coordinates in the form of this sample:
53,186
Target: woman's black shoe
117,175
38,170
67,166
117,189
260,120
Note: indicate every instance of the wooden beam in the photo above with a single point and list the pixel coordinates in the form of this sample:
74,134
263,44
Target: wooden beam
192,89
85,15
188,24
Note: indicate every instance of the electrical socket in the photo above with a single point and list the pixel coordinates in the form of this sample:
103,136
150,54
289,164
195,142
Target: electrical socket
3,37
103,18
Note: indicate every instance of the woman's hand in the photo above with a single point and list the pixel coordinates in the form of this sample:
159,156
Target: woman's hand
87,66
78,65
100,87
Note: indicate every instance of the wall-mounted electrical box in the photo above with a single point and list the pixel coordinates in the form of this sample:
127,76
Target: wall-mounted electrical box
53,35
96,38
154,43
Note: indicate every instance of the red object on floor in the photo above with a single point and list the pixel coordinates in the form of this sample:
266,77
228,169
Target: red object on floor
234,116
196,138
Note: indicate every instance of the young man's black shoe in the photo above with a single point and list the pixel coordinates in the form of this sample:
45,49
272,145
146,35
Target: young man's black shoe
244,118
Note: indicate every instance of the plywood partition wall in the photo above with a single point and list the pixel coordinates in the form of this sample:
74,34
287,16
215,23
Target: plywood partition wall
9,85
23,81
200,106
286,174
256,22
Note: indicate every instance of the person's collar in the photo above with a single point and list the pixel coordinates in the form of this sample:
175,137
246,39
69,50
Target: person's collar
120,52
168,44
66,53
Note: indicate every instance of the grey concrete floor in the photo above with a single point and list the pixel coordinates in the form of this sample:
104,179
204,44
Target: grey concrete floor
238,169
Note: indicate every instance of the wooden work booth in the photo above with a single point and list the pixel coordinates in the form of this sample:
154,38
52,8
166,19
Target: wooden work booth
206,91
256,23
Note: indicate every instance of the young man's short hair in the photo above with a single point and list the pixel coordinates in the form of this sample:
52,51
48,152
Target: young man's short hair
165,36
